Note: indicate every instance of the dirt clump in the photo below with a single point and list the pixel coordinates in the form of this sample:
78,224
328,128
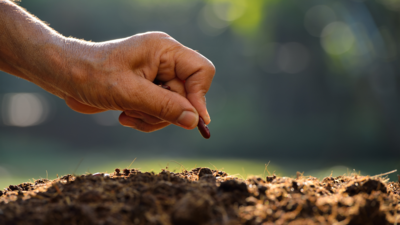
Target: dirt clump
366,185
200,196
205,171
192,208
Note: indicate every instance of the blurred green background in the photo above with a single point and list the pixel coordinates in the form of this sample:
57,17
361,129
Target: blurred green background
310,85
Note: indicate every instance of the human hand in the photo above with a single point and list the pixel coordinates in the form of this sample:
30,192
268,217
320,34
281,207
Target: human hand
113,75
119,75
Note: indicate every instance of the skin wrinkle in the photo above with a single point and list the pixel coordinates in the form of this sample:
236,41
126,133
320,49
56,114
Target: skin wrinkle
142,125
175,58
139,101
166,68
143,116
155,66
115,102
164,107
193,84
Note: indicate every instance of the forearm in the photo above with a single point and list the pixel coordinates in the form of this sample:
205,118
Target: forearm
28,47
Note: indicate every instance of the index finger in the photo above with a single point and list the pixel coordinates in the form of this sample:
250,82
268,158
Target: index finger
197,72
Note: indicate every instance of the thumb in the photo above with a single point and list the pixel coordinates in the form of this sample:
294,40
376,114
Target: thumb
167,105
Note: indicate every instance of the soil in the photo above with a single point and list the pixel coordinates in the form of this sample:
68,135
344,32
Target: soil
201,196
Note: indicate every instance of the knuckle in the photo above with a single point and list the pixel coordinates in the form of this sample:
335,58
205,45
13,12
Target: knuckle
211,69
161,34
155,35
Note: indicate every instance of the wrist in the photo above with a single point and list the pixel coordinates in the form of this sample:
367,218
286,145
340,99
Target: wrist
77,61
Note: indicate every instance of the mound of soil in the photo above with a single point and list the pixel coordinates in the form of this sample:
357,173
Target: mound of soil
200,196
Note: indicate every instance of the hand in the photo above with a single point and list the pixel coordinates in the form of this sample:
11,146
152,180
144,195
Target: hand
113,75
119,75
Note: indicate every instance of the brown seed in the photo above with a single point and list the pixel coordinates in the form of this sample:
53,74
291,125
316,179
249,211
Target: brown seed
203,128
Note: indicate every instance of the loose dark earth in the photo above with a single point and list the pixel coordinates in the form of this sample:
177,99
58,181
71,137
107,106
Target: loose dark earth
201,196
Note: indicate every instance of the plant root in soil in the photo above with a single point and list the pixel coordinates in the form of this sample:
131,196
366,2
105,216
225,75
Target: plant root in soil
201,196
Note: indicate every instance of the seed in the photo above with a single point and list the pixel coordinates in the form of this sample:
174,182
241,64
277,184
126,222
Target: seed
203,128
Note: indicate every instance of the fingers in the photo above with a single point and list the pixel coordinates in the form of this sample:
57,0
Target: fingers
139,124
175,85
198,72
166,105
82,108
143,116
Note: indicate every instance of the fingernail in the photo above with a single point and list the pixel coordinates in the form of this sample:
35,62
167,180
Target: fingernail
208,119
188,119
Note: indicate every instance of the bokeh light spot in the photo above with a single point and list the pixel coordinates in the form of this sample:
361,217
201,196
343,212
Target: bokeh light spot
337,38
229,10
24,109
209,23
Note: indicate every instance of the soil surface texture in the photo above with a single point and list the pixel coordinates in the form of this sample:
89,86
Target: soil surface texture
201,196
